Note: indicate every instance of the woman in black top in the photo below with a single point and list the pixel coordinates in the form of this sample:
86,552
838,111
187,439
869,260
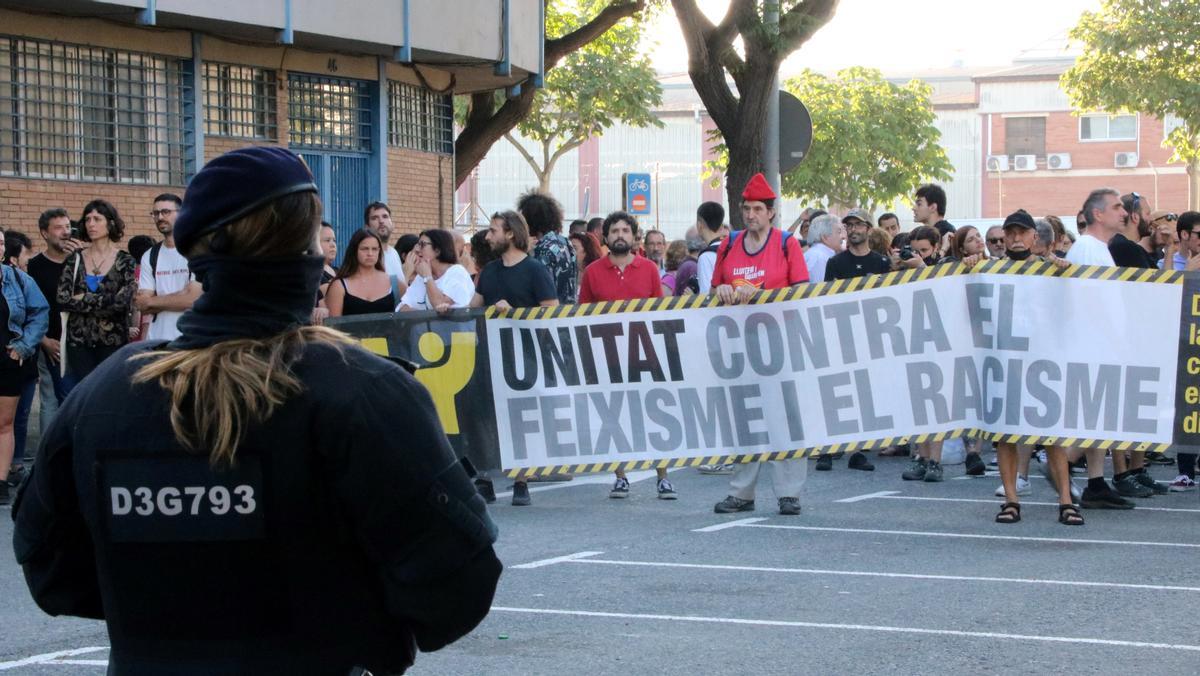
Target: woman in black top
362,285
96,290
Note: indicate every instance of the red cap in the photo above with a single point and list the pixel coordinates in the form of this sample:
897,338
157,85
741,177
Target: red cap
758,189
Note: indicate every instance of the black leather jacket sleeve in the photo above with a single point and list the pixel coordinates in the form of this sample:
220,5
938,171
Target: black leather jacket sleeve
51,539
415,511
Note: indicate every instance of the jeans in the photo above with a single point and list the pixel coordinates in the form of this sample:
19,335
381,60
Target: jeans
21,421
51,389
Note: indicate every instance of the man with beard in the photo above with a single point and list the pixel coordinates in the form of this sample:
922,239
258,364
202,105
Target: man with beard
46,269
656,249
623,276
1132,248
377,218
995,242
166,288
749,261
513,280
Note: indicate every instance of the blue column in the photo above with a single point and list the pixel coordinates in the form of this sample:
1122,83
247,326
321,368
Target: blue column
379,140
193,111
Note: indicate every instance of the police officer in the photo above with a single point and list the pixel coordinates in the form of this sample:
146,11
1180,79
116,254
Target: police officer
243,499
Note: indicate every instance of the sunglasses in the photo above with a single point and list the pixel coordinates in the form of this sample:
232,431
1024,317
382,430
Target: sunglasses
995,240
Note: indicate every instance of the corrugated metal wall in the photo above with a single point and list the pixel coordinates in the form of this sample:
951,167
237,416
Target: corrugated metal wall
1019,97
504,175
960,138
674,151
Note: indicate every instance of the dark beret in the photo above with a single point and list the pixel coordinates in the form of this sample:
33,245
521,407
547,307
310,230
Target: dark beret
236,184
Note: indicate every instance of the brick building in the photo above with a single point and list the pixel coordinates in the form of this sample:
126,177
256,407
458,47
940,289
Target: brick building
125,99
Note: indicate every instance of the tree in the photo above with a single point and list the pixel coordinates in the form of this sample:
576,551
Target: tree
1144,56
488,118
712,59
873,141
606,81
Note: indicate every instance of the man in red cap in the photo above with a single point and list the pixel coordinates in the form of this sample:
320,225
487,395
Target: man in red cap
759,258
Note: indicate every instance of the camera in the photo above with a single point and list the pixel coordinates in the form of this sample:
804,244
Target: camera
906,253
76,230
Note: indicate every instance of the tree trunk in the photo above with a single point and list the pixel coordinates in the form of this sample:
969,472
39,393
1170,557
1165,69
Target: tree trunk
1193,172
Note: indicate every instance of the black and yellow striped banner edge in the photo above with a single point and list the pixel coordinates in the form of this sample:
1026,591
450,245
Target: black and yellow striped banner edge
803,291
743,458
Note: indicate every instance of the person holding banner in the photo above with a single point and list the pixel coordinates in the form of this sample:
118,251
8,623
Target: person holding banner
515,279
623,276
1020,239
760,258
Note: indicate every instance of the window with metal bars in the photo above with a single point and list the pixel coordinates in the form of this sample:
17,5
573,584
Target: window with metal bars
420,119
329,113
90,113
239,101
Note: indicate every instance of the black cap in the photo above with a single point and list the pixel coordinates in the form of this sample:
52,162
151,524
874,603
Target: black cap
236,184
1020,218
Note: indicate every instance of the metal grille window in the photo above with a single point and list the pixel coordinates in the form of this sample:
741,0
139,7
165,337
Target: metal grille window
89,113
420,119
239,101
329,113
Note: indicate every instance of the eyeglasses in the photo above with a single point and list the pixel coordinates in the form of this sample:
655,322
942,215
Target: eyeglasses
1170,218
421,245
155,213
995,240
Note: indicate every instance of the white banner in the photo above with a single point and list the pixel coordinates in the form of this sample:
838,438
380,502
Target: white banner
1003,353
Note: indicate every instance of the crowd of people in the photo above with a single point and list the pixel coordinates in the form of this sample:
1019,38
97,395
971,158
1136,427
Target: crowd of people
83,297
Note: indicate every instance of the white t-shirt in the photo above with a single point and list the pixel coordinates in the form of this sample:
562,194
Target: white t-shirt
391,262
171,276
455,282
1088,250
705,264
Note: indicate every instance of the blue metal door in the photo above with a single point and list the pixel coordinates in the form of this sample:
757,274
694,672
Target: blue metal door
342,183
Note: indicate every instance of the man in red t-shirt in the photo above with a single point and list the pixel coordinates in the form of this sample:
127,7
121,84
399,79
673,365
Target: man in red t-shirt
622,275
759,258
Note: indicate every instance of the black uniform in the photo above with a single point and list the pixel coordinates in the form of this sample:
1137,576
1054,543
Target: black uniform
345,534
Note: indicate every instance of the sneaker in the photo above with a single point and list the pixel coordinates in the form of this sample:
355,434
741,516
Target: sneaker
1048,474
1159,458
731,504
16,476
858,460
933,471
993,461
1105,498
824,463
665,490
716,469
1182,483
521,494
620,488
1080,465
487,490
789,506
916,470
1130,487
1023,487
975,466
1143,477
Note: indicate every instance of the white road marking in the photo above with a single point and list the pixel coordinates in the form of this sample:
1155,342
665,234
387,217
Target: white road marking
729,524
852,627
862,573
600,478
541,563
90,663
894,495
977,536
48,657
868,496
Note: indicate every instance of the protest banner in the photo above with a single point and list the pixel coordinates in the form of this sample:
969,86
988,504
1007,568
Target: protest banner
1019,352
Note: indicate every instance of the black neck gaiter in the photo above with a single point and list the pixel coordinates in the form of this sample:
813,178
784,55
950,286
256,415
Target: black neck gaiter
249,298
1018,255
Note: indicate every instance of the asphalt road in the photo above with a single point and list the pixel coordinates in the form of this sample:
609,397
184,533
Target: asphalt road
877,576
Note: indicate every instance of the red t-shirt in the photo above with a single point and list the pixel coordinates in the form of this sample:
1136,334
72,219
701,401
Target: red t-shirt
604,281
769,268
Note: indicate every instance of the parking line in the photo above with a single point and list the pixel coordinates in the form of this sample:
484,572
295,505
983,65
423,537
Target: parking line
729,524
976,536
868,496
843,627
48,657
863,573
894,495
541,563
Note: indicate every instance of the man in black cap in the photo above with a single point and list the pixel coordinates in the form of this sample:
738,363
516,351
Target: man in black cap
225,502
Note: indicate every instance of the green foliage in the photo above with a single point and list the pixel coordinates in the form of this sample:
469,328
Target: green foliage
1142,56
873,141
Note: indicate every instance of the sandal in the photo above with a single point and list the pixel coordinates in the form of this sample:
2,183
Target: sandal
1068,515
1009,513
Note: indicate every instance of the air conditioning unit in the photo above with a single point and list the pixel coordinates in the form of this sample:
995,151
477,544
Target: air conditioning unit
1025,162
997,163
1125,160
1058,161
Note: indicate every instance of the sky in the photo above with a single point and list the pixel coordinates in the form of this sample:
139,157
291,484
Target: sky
903,35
